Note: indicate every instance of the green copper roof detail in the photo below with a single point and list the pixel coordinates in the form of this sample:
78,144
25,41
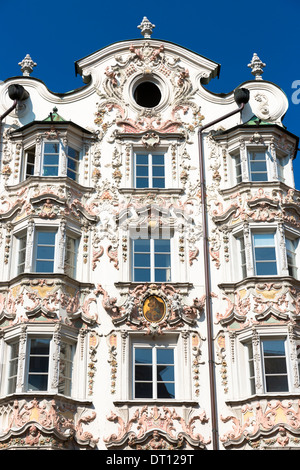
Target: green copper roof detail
54,116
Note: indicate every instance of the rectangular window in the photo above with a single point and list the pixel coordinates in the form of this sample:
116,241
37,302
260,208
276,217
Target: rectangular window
51,159
71,256
45,251
149,170
264,254
291,246
21,254
29,162
72,163
243,256
238,169
13,367
38,369
151,260
258,166
154,372
251,369
65,368
275,369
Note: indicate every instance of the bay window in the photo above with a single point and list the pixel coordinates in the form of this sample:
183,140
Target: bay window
267,252
42,248
271,359
264,254
41,362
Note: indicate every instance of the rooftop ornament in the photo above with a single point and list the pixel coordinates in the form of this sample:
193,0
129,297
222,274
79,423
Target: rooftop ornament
257,67
146,27
27,65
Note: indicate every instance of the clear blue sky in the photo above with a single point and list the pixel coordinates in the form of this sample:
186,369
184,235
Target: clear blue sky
58,33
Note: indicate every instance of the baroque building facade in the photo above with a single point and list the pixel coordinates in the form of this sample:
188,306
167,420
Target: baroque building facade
149,284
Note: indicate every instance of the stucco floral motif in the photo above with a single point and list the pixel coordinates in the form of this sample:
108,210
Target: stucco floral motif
261,421
36,419
162,428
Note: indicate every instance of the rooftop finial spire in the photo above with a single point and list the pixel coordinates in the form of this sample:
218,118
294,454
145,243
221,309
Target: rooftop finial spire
257,67
27,65
146,27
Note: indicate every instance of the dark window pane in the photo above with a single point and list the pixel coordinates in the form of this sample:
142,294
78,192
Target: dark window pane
265,269
143,390
51,147
142,275
158,159
142,260
162,260
165,390
162,275
142,159
266,253
141,246
45,252
162,246
46,238
39,346
274,348
158,171
37,382
259,177
142,171
165,356
38,364
165,373
143,355
277,384
158,183
143,373
275,365
44,266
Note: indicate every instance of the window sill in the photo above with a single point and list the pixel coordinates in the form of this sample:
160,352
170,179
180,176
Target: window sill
230,287
157,402
236,403
28,396
160,191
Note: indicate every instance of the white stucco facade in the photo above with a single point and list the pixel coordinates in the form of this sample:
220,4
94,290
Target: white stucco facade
144,304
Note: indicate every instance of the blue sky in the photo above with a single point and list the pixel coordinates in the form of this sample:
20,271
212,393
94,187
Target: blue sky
58,33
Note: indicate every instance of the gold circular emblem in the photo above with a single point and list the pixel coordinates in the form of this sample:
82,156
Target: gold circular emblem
154,309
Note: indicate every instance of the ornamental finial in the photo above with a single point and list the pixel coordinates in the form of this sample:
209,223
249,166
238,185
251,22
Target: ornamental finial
27,65
146,27
257,67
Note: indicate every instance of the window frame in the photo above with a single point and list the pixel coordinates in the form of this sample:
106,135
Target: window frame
22,368
169,342
258,150
150,166
257,361
153,267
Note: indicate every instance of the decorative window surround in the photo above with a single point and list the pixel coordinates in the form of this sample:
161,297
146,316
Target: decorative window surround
253,258
180,344
38,157
278,146
252,378
56,252
47,363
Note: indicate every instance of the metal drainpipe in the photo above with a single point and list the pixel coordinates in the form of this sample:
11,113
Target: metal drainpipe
207,279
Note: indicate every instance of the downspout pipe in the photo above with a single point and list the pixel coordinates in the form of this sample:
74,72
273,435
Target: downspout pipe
241,96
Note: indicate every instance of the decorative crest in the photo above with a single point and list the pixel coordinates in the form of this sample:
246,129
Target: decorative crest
257,67
27,65
146,27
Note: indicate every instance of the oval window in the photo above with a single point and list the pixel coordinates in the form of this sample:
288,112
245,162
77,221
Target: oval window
147,95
